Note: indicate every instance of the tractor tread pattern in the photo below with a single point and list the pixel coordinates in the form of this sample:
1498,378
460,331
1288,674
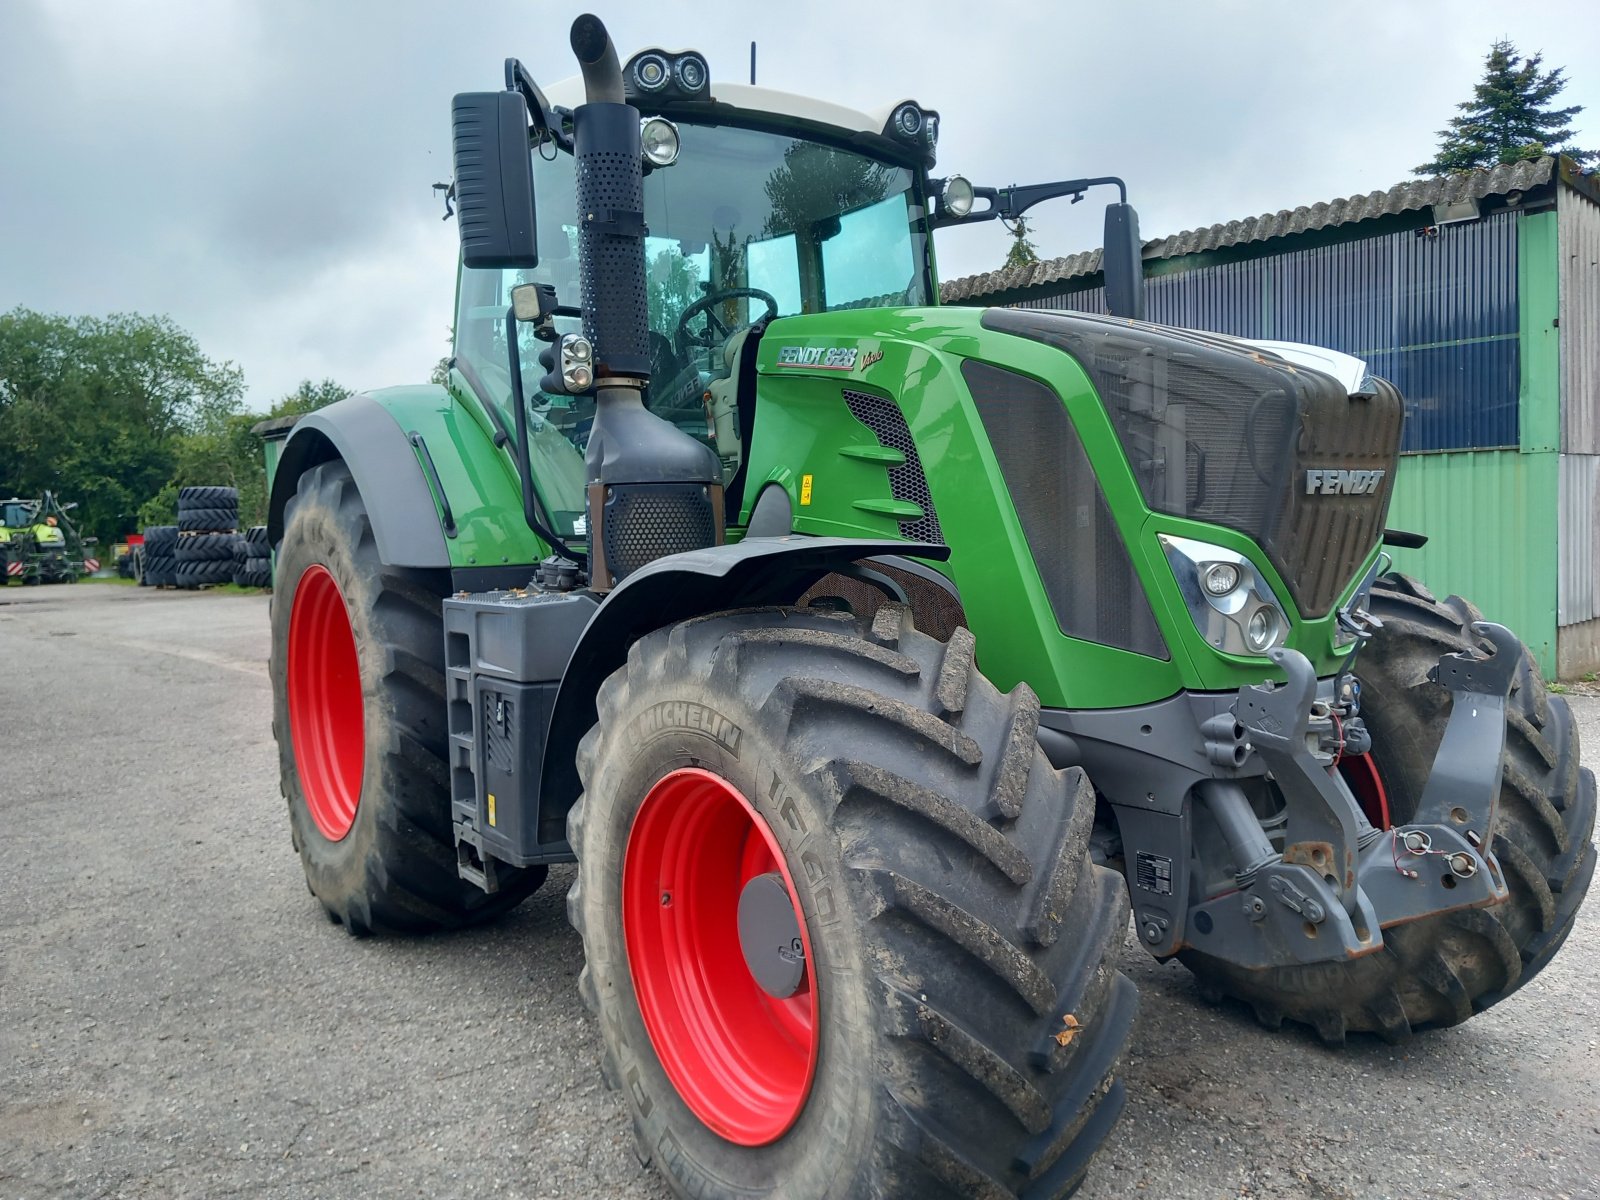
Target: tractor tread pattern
208,520
408,881
925,768
208,497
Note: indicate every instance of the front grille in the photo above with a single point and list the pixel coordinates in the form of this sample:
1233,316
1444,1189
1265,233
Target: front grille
1223,432
907,481
644,522
1087,574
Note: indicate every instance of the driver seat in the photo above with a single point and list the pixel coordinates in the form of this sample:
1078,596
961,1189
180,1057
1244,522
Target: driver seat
731,405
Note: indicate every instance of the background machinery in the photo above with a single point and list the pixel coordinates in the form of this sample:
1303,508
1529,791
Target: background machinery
40,544
868,656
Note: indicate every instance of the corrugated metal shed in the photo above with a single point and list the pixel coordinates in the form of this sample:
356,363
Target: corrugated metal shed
1410,196
1579,535
1579,269
1436,315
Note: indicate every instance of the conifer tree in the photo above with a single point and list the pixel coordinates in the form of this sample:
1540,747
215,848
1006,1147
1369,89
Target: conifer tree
1509,118
1022,251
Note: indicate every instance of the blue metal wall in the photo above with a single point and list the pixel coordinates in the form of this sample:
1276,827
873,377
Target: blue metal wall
1436,315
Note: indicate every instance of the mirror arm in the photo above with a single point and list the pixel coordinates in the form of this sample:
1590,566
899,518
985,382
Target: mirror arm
1011,202
518,80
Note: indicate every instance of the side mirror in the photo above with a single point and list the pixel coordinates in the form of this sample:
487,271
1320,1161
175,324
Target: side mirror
1124,263
494,180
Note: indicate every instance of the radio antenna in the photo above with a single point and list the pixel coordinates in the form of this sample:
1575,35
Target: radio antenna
752,64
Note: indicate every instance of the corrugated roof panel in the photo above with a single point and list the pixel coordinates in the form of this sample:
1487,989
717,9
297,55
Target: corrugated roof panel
1410,196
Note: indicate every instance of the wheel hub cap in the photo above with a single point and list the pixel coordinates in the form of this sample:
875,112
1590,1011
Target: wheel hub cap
769,935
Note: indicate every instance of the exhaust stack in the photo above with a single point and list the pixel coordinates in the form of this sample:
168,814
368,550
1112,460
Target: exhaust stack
652,489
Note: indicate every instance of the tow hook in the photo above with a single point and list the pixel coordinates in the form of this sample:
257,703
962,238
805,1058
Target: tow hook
1297,900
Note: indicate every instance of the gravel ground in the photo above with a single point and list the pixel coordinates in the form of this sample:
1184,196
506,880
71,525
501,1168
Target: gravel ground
177,1018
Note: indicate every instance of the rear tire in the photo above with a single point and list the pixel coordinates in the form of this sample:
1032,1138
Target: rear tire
952,914
1441,970
374,737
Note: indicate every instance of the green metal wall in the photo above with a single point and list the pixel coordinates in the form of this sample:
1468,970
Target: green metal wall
1490,515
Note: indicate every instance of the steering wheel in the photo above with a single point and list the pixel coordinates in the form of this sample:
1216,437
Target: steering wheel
715,332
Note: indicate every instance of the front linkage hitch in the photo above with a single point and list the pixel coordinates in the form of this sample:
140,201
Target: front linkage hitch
1338,881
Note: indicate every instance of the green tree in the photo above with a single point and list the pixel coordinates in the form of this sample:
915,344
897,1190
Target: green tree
817,184
93,408
1509,117
222,450
1022,251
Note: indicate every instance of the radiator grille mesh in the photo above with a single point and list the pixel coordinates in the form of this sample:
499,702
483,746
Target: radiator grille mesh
1076,546
1223,432
907,481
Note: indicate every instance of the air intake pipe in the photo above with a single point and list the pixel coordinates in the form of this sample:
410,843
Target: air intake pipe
652,489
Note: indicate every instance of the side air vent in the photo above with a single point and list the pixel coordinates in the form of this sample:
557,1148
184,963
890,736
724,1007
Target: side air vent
906,482
1081,558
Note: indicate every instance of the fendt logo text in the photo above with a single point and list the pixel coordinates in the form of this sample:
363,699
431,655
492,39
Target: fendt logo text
1342,483
820,358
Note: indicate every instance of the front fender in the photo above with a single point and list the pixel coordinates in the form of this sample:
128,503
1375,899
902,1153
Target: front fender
359,430
753,573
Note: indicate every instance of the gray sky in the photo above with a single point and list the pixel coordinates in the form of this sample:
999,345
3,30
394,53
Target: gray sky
259,170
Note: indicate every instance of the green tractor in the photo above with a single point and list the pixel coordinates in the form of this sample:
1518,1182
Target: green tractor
868,656
39,543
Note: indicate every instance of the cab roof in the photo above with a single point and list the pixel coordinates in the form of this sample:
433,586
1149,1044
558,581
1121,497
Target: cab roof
568,93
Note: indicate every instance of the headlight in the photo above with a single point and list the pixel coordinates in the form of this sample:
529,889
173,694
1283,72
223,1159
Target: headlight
1229,601
958,196
1220,578
658,138
577,363
1262,630
650,72
691,72
907,121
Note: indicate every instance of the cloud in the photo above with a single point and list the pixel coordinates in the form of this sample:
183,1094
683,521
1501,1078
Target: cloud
259,169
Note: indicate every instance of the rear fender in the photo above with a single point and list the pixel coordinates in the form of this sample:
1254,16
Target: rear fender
753,573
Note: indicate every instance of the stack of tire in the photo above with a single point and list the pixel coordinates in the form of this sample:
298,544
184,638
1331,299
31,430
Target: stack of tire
208,521
158,560
252,559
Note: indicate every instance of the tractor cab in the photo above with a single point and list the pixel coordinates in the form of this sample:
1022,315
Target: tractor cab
17,514
757,204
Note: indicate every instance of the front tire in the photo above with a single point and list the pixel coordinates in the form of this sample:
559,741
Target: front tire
359,713
958,1024
1442,969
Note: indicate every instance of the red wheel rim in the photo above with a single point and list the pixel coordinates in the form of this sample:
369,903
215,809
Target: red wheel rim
326,720
1361,773
741,1059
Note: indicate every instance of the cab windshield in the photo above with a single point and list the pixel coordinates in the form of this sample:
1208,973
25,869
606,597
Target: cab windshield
745,225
